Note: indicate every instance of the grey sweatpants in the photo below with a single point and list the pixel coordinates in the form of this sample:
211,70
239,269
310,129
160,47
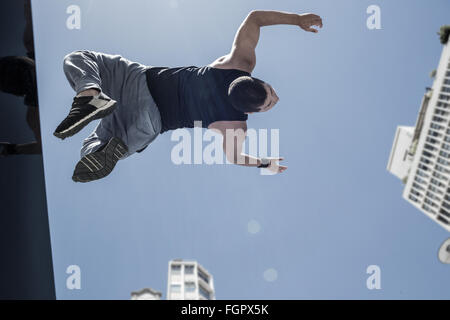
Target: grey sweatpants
136,119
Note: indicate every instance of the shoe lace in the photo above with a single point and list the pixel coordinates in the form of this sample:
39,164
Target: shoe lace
75,111
78,103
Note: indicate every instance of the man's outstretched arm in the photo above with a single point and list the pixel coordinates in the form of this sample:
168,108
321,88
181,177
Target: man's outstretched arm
233,133
242,55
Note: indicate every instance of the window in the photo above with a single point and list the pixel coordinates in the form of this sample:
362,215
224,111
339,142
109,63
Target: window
176,269
436,126
427,154
189,269
440,112
203,276
414,192
432,196
175,288
438,119
189,287
425,160
445,213
422,174
446,205
418,187
427,208
443,220
441,169
431,140
439,176
442,161
437,183
204,292
434,189
444,154
429,147
419,180
443,105
431,203
434,133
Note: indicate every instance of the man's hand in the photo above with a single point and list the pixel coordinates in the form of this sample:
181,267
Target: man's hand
307,20
274,166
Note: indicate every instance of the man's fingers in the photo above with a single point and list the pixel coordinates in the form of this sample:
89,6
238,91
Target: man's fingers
318,20
281,168
313,16
315,20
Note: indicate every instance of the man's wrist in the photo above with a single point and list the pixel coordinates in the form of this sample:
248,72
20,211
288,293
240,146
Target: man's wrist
263,163
298,19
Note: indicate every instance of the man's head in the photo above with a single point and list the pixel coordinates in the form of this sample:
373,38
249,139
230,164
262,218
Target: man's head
249,95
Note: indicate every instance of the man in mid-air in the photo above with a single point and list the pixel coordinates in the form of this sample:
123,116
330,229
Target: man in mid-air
137,102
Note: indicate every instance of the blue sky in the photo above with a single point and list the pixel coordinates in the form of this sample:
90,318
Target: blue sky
334,212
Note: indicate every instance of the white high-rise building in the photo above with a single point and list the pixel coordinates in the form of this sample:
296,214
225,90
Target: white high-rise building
420,155
188,280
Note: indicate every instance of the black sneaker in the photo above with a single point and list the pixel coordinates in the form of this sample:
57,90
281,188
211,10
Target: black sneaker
84,110
100,163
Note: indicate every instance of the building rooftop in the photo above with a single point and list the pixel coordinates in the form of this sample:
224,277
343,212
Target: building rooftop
146,290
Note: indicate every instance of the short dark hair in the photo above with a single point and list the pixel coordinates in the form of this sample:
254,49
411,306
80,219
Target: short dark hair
247,94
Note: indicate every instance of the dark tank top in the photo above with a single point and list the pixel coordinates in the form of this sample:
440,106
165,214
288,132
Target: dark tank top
187,94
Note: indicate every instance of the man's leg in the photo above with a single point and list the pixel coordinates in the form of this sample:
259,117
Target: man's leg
117,137
84,75
131,127
99,154
101,162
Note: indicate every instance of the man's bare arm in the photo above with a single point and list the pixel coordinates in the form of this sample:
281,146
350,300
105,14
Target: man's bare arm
234,133
242,55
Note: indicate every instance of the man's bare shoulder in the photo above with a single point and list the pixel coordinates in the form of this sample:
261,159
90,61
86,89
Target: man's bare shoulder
222,126
226,62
